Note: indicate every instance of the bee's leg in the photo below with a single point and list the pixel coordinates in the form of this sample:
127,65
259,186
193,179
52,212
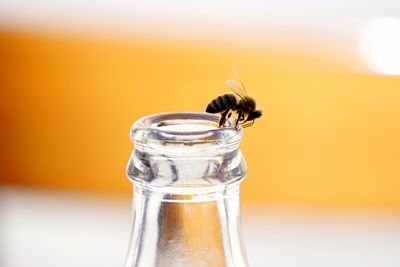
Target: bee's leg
238,118
248,124
223,118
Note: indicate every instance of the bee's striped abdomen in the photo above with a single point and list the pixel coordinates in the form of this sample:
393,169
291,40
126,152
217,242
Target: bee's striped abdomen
221,103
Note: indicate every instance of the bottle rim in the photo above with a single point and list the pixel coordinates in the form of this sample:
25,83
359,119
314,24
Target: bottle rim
181,138
188,128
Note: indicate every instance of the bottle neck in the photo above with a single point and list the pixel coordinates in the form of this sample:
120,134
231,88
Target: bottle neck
186,172
202,228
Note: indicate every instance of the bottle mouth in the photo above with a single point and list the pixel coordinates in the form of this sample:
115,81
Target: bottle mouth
185,153
184,129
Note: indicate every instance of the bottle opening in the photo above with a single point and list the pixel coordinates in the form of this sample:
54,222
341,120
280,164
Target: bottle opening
187,152
184,128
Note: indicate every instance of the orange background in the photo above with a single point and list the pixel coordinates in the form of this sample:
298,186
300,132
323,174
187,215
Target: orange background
329,137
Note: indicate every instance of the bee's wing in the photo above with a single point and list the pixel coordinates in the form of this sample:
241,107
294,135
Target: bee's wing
237,84
237,78
235,87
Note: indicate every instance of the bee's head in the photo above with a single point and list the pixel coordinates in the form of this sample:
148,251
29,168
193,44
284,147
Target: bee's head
254,115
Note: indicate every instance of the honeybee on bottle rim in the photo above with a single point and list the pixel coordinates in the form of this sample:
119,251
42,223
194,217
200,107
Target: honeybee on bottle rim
239,102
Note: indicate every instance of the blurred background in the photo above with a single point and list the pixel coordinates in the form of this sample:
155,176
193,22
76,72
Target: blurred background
323,187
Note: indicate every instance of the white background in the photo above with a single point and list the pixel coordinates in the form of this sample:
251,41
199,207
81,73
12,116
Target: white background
54,228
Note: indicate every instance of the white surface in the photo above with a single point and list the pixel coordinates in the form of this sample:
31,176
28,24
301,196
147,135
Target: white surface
335,25
45,228
328,21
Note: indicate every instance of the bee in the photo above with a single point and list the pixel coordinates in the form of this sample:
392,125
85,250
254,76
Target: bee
239,101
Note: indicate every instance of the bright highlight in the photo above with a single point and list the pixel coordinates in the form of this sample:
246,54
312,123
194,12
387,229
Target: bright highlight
380,45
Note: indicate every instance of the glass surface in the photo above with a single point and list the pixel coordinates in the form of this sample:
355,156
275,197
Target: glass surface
186,174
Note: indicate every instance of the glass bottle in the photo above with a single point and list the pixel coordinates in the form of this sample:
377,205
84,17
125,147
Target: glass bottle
186,174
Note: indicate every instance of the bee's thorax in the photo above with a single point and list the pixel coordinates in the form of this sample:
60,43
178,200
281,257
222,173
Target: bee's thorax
247,104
